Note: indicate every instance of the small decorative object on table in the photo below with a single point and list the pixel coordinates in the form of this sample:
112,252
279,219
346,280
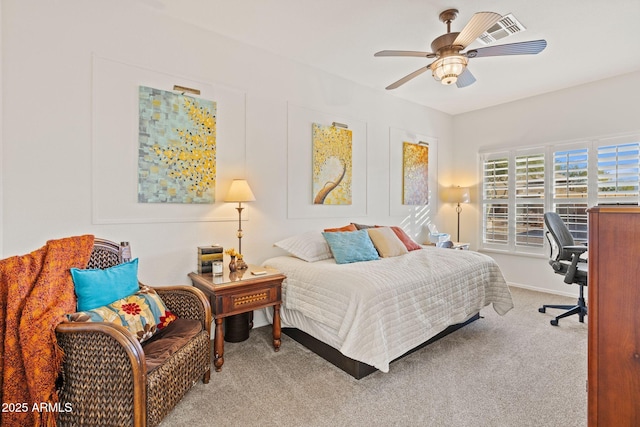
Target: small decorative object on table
232,264
447,244
216,268
207,255
240,263
436,237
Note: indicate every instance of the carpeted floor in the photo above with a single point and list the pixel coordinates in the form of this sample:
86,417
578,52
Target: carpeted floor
515,370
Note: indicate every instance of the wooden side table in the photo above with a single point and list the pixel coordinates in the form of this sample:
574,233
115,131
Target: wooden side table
240,292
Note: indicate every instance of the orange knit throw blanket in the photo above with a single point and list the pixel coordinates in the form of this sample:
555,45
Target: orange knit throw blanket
36,291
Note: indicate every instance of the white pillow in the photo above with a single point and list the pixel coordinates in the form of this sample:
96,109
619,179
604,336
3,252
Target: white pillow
309,246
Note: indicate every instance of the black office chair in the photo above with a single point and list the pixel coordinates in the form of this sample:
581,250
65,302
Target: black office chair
565,259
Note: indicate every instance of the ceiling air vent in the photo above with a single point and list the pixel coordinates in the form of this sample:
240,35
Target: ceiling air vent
505,27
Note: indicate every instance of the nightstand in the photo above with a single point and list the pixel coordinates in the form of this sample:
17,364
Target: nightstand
240,292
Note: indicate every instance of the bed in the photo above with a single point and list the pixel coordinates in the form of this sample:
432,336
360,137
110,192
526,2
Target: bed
373,312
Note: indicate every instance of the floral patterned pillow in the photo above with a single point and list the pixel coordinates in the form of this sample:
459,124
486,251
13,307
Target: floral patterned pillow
142,313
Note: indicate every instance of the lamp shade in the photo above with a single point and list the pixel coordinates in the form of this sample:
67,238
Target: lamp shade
447,69
239,191
458,195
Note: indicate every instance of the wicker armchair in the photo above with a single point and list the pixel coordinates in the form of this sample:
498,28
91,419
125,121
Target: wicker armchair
104,374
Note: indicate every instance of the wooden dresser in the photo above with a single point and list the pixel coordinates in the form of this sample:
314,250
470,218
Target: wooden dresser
614,316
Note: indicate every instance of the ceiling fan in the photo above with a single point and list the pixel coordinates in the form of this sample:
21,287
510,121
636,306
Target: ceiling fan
450,65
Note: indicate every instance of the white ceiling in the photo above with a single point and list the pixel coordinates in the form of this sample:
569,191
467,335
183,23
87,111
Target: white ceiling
587,40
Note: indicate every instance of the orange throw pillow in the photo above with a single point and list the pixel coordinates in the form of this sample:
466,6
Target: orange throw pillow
350,227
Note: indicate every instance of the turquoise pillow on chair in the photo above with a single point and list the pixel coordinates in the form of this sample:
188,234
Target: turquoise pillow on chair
351,246
96,287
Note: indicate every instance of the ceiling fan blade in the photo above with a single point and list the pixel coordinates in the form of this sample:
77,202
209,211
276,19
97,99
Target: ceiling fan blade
522,48
408,77
403,53
465,79
478,24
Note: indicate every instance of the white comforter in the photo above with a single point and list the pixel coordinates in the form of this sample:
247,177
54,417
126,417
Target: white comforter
376,311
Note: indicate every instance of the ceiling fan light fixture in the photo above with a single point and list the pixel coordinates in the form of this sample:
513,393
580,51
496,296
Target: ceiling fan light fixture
447,69
450,65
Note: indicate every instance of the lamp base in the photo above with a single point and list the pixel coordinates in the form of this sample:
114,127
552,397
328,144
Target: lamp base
458,210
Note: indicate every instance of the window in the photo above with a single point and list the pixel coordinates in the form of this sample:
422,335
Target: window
529,195
570,189
618,172
519,185
495,196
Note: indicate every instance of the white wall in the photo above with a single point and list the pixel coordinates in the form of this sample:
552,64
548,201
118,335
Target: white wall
45,187
605,107
47,90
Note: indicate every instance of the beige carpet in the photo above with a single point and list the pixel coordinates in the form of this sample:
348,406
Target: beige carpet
515,370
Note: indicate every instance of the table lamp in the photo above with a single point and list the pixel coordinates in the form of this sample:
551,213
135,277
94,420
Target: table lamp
239,191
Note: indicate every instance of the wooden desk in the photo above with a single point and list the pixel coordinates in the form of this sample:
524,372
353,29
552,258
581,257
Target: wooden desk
240,292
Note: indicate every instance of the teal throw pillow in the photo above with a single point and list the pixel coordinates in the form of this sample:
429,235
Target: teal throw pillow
351,246
97,287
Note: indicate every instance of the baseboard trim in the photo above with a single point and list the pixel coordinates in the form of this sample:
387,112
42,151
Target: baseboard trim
546,290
